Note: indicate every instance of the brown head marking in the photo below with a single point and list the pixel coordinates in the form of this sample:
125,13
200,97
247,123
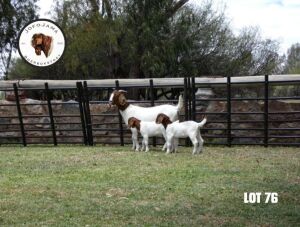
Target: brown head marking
37,43
41,42
120,100
163,119
134,123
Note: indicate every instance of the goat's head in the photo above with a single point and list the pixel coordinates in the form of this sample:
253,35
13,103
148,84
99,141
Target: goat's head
37,43
134,123
118,98
41,42
163,119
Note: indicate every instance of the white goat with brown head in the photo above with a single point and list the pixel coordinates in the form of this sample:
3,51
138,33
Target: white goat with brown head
149,114
147,129
176,130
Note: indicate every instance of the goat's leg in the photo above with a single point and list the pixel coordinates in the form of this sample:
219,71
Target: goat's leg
137,145
195,143
143,144
175,143
146,139
201,141
165,137
164,147
135,140
169,145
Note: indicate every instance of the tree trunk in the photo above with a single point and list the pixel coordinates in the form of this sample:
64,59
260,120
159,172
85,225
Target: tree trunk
175,8
8,62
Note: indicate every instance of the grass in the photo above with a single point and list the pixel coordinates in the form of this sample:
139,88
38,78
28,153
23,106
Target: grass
113,186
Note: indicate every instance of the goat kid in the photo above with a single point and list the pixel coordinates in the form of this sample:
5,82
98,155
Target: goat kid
146,114
147,129
184,129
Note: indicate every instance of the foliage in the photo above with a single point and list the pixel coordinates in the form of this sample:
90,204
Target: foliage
291,66
293,59
13,16
286,91
159,38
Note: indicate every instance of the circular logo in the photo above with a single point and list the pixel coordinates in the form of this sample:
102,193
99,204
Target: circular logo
41,43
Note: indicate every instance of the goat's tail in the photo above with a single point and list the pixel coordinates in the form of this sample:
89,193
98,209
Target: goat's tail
180,103
202,123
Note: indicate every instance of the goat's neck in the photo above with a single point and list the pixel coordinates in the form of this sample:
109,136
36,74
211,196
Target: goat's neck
123,107
165,124
124,113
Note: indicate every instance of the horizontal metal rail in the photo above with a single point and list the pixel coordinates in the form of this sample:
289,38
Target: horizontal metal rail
263,124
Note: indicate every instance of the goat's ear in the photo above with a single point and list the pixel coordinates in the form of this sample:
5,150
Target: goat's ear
33,39
165,119
131,122
135,123
159,118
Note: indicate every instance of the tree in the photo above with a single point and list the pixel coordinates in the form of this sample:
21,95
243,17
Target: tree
148,26
293,59
13,16
154,38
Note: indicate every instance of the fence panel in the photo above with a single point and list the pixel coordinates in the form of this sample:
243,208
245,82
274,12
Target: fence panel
232,123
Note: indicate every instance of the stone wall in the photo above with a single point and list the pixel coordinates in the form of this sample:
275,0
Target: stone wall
106,127
275,120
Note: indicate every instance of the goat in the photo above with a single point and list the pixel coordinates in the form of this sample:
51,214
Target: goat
147,129
184,129
41,42
149,114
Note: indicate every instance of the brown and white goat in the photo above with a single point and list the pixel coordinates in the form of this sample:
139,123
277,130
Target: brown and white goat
176,130
147,129
146,114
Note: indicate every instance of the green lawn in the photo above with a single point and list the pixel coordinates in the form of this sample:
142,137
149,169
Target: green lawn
113,186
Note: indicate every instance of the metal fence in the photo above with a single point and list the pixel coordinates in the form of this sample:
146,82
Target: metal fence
89,127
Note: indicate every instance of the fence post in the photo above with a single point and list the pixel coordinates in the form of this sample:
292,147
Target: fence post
50,114
80,99
120,119
229,111
185,94
193,99
88,114
189,98
266,112
186,104
152,104
20,114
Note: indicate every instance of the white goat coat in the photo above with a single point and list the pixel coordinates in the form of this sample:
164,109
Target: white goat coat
185,129
151,129
149,113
